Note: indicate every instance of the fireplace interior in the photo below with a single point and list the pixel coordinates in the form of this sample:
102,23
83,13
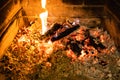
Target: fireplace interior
81,40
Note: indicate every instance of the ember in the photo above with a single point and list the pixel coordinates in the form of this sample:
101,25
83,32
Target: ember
79,39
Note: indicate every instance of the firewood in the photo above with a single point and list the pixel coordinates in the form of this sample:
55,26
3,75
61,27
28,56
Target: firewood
96,45
75,48
51,31
54,28
64,33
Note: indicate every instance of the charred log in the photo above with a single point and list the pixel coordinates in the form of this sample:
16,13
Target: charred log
96,45
75,48
87,33
64,33
101,46
52,31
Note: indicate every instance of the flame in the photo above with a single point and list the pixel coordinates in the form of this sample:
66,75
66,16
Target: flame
43,3
43,16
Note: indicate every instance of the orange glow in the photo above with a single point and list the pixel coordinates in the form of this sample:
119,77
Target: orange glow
49,47
71,54
43,16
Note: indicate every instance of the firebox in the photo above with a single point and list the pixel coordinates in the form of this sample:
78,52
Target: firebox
59,39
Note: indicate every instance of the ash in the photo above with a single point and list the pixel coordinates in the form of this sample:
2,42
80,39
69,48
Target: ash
73,50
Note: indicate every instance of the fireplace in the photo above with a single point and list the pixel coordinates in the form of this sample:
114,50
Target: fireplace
81,37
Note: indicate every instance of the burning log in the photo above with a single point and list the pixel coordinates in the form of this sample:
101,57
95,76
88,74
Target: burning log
64,33
96,45
52,31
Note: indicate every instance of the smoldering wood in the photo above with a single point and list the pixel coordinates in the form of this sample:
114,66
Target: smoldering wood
64,33
51,31
75,48
96,45
54,28
92,41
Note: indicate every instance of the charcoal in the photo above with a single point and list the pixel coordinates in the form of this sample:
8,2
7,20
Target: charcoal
96,45
86,52
55,27
101,46
103,63
75,48
64,33
92,42
4,59
87,34
82,43
50,32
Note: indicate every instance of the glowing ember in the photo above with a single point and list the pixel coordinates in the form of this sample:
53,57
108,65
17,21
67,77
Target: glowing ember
71,54
43,17
49,47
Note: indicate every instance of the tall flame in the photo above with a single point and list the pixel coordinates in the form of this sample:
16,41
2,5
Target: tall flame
43,17
43,3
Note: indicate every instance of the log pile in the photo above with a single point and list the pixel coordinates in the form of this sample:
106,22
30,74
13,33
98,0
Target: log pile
80,39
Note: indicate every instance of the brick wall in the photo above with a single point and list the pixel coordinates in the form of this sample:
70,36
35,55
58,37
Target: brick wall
66,8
